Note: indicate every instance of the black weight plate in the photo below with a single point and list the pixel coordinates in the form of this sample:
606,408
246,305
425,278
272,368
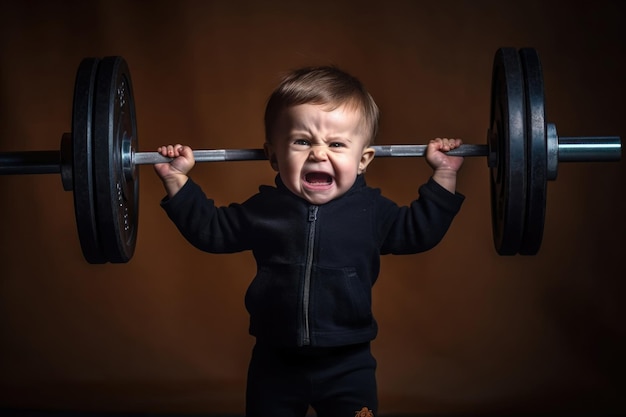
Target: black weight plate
82,162
507,141
115,136
536,153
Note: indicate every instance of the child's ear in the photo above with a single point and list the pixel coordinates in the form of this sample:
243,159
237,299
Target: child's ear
366,157
271,156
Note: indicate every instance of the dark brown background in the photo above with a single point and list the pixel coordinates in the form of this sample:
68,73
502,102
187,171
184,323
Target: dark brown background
462,329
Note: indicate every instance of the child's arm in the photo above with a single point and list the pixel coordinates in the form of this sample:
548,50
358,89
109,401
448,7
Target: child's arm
174,173
445,167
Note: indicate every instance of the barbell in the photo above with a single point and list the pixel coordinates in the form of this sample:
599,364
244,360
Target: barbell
98,160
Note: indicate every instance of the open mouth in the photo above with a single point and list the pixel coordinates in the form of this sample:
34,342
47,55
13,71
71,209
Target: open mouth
318,178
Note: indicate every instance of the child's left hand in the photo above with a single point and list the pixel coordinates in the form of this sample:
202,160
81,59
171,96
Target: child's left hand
444,166
437,158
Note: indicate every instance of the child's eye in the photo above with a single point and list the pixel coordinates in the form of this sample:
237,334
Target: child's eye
337,145
303,142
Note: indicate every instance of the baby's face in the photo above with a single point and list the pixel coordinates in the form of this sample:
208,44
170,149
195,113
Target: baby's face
319,152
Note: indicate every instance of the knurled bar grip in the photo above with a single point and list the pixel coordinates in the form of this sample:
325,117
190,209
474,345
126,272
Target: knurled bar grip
224,155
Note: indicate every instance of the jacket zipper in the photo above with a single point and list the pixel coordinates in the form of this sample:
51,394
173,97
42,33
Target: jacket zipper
306,294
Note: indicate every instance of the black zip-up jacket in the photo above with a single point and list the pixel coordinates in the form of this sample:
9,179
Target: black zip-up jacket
316,264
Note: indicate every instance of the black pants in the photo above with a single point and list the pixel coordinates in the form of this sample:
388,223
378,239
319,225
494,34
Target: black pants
335,382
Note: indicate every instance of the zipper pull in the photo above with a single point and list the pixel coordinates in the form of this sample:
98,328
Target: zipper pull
313,213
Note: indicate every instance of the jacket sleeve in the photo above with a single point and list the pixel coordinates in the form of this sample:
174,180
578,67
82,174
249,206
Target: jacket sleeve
421,225
207,227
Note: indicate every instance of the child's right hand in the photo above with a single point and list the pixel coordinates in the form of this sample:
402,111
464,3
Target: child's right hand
174,173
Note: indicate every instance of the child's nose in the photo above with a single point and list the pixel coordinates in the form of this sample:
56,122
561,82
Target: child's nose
318,153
